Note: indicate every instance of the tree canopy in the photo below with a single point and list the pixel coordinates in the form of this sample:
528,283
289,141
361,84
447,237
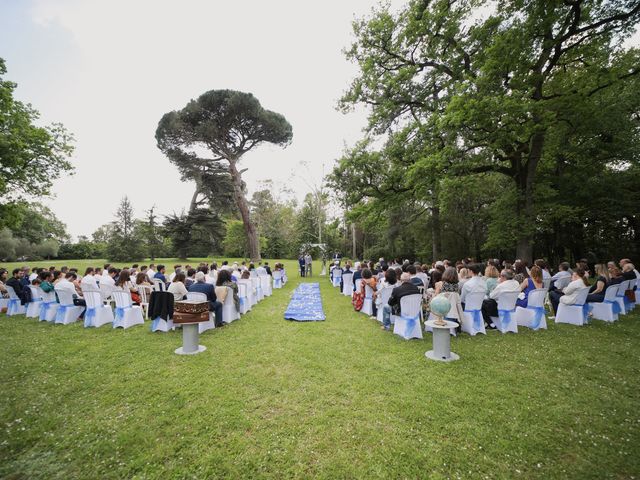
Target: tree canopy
539,93
220,126
31,156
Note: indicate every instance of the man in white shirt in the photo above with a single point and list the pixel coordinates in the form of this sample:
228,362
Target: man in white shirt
475,284
64,284
176,269
563,271
107,283
506,283
151,272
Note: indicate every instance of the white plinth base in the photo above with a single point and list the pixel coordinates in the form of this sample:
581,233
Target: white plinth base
190,337
432,356
180,351
441,342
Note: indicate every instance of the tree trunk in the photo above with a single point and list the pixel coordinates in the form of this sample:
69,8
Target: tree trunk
354,253
436,233
524,182
243,206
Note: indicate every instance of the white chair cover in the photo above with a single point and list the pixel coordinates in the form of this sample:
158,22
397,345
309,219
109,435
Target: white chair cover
33,307
534,315
576,314
472,322
67,312
229,312
337,276
97,313
383,299
127,314
242,294
407,324
506,308
347,284
265,283
277,279
455,312
367,305
49,306
252,293
609,309
14,306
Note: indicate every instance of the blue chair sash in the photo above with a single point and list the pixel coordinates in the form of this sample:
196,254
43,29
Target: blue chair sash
242,301
155,322
44,309
410,325
505,317
477,319
120,315
586,308
12,305
615,306
539,314
62,310
90,316
277,282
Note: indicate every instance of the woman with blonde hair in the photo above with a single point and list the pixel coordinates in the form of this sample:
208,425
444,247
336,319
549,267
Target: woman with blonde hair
597,290
491,274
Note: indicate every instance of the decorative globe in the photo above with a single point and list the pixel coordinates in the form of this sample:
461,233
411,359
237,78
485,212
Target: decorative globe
440,305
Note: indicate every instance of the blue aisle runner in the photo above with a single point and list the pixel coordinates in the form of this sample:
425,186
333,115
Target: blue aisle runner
305,304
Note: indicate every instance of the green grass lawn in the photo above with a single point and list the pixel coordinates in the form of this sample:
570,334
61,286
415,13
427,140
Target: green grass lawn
334,399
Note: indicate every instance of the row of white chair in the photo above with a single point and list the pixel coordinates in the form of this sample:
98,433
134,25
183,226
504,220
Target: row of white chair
510,316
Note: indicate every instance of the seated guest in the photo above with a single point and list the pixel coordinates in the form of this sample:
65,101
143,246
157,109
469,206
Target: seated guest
543,266
15,281
597,290
176,269
46,281
190,280
624,261
628,273
533,282
124,284
436,275
463,276
142,281
521,273
506,283
449,282
3,278
368,280
569,293
201,286
417,281
563,272
89,279
357,275
73,278
393,305
160,274
615,275
475,283
224,281
177,287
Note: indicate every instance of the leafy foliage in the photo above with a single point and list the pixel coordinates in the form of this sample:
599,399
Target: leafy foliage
31,157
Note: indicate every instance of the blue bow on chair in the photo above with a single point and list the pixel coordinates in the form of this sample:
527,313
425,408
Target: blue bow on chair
120,316
585,311
278,282
627,302
44,308
12,305
615,306
242,301
62,310
155,322
477,319
89,316
505,318
411,324
539,314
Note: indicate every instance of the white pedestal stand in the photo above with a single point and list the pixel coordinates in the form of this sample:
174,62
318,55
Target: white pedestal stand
190,339
441,342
